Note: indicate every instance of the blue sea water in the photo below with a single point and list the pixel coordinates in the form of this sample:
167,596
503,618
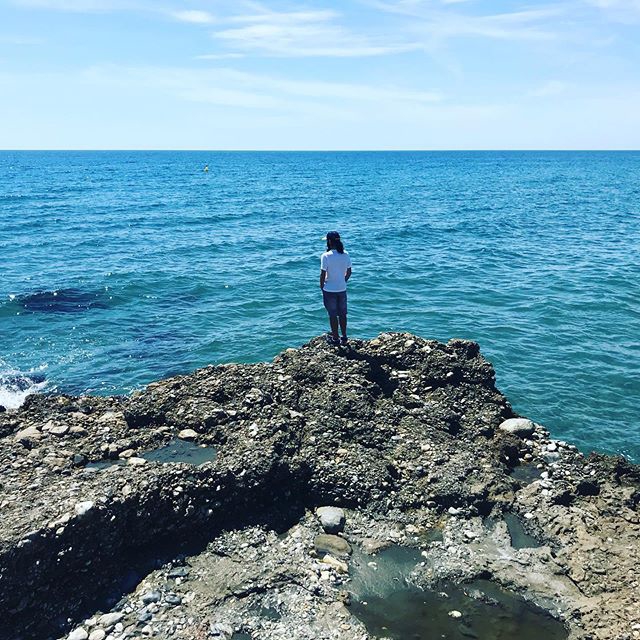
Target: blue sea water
118,268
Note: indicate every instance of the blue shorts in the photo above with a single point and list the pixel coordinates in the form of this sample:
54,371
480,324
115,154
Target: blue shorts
335,303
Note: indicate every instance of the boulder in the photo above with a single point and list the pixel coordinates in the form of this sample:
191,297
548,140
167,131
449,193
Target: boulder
521,427
332,519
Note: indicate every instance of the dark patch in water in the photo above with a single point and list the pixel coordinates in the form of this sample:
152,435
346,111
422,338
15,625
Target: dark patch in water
391,607
520,539
175,451
62,301
526,473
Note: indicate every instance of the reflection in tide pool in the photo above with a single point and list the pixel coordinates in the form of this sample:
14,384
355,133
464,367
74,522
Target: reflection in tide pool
394,608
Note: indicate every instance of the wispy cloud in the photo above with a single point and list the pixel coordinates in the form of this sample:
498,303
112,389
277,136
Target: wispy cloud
230,87
441,23
304,34
193,16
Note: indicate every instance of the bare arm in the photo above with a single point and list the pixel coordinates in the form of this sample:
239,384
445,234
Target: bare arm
323,277
347,275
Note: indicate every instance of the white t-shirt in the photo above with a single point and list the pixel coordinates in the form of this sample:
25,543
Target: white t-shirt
336,265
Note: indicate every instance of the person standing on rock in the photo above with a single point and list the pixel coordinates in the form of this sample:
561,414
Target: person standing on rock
335,270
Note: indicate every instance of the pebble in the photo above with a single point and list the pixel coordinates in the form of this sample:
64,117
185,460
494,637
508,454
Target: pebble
188,434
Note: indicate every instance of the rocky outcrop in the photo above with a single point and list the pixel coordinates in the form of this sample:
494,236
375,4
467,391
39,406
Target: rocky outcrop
407,436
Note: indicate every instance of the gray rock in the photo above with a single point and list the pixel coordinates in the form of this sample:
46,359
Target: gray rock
78,634
220,631
97,634
83,507
109,620
27,435
335,545
173,599
60,430
522,427
332,519
188,434
151,596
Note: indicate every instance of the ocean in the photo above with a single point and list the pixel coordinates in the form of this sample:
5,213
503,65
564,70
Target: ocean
119,268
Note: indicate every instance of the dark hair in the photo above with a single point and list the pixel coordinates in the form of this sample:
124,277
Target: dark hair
334,242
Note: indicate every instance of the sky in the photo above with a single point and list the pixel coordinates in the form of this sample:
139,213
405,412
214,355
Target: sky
319,74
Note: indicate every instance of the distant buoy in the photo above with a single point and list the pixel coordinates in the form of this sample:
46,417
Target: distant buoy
206,168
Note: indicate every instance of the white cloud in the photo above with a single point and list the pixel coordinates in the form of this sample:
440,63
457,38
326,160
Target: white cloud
194,16
439,23
229,87
219,56
303,34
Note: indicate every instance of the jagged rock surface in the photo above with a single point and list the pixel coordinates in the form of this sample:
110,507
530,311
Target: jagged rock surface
401,432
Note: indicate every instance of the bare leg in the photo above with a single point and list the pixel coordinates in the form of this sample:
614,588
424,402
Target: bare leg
333,321
343,326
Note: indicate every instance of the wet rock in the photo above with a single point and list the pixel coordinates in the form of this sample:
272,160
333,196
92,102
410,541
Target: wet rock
400,431
521,427
334,545
332,519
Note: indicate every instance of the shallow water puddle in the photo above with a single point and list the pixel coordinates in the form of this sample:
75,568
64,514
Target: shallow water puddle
392,607
526,473
175,451
520,539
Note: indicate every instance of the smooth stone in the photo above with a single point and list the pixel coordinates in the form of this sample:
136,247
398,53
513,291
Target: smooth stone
173,599
338,565
151,596
60,430
188,434
335,545
84,506
110,620
78,634
455,614
136,462
522,427
98,634
332,519
30,433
